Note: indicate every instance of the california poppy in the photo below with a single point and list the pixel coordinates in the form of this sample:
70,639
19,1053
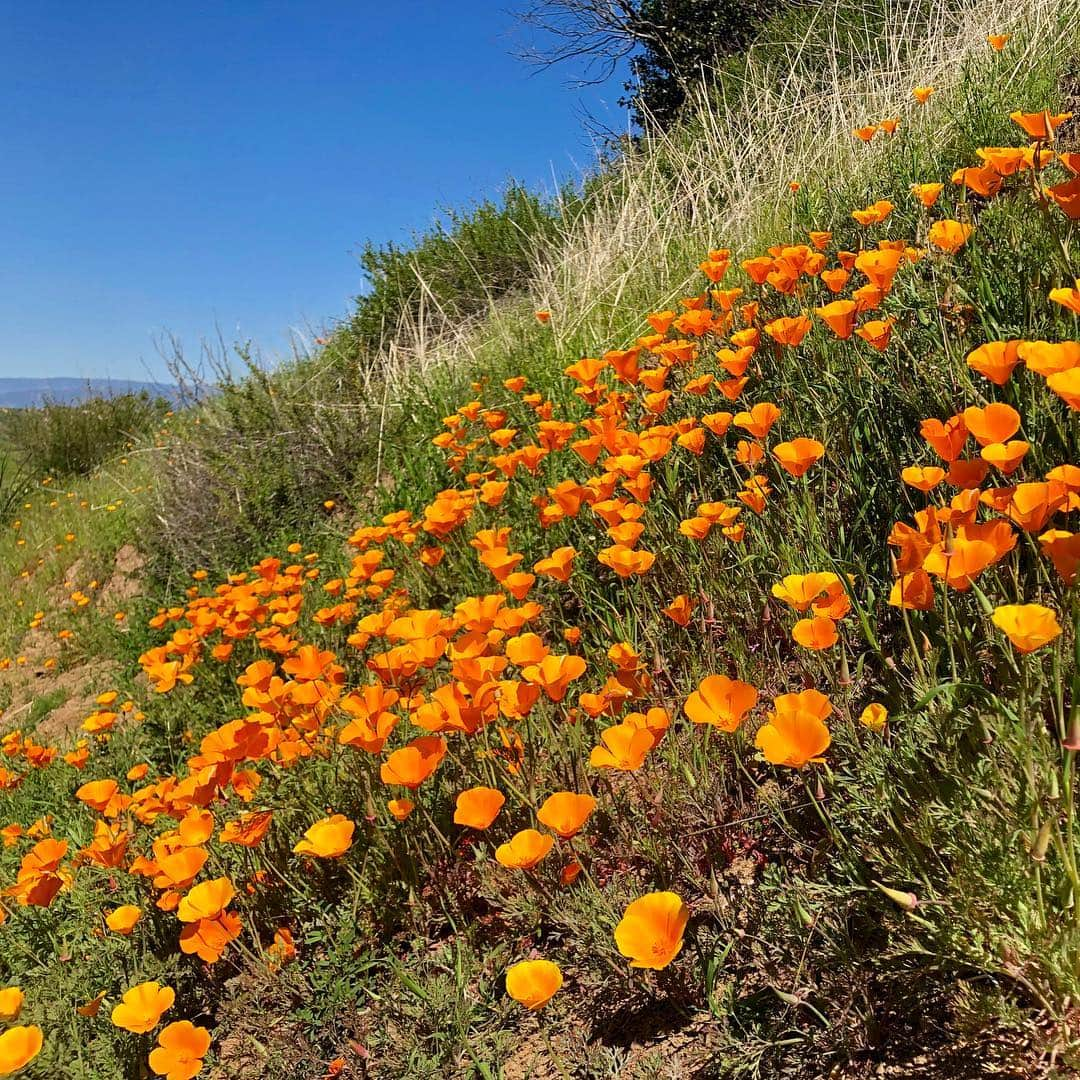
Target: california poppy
950,236
478,807
11,1003
795,733
327,839
721,701
995,423
1027,626
565,813
18,1047
141,1007
815,633
651,930
524,850
414,763
874,717
533,983
1041,125
122,920
799,455
180,1050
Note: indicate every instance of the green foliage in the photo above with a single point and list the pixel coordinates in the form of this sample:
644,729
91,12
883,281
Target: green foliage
455,270
62,440
683,41
259,458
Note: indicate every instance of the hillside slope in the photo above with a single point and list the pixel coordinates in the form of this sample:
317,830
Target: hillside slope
671,673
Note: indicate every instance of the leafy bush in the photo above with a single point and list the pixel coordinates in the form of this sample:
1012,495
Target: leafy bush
456,269
74,439
261,455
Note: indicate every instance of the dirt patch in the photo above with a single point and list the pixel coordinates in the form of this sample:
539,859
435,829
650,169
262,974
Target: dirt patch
125,581
76,688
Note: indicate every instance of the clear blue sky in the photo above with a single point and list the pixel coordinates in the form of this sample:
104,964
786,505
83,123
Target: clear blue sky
176,166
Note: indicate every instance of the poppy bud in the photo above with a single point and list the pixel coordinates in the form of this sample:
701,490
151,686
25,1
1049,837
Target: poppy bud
844,676
984,602
802,914
1072,736
907,900
1041,843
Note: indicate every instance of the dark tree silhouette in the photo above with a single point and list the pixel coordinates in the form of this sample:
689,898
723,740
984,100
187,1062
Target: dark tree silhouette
670,45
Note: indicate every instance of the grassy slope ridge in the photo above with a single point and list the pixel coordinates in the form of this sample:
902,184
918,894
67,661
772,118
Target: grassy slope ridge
795,962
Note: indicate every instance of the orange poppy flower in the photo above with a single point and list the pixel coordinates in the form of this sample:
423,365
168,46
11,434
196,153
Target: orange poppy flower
478,807
873,214
564,813
815,633
122,920
651,930
400,809
984,180
524,850
623,748
802,590
995,360
927,194
748,453
207,900
1027,626
721,702
718,423
799,455
880,267
180,1050
788,331
839,316
795,733
998,42
865,134
913,591
758,420
922,94
533,983
11,1003
625,561
248,829
946,437
1066,384
835,280
141,1007
923,478
1040,126
877,333
1048,359
950,236
413,763
679,610
1063,549
1006,457
996,423
554,674
329,838
18,1047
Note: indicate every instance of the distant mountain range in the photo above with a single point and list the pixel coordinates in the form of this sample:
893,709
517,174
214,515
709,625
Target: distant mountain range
26,393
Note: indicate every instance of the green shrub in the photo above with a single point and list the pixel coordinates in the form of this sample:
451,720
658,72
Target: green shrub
63,440
456,269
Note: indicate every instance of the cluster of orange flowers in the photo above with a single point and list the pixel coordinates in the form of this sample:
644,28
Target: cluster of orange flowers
466,680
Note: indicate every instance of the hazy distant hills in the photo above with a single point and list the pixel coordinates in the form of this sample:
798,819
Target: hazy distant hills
25,393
